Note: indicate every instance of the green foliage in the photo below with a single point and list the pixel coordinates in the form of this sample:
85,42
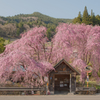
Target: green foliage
97,86
48,33
24,22
89,64
18,31
2,48
85,16
78,19
87,19
99,72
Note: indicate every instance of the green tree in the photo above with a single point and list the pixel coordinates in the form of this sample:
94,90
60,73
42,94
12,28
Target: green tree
48,33
20,25
2,48
97,19
85,18
18,32
93,19
78,19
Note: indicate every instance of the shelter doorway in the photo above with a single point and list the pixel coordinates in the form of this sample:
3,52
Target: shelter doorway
62,82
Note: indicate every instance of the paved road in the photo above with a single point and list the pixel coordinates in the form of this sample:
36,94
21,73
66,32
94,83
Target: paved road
52,97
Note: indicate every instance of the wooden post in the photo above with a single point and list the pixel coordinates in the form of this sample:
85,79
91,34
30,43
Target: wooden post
46,80
87,78
46,88
70,83
75,81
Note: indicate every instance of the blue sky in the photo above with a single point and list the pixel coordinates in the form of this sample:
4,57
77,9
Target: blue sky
53,8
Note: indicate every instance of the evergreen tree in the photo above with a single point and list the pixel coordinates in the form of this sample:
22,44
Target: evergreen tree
93,19
78,19
97,20
85,16
87,19
48,33
92,13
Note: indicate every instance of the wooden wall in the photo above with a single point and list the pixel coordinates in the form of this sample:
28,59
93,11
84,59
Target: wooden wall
62,69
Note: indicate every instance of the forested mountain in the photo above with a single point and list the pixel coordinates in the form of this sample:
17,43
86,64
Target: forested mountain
13,26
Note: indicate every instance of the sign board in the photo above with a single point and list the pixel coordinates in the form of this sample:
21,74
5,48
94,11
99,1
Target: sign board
87,79
61,81
55,78
50,78
61,85
65,84
46,79
88,69
47,84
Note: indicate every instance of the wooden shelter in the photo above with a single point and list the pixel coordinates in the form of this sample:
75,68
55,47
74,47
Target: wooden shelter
63,78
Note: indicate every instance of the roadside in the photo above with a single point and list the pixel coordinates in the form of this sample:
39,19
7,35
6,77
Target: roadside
52,97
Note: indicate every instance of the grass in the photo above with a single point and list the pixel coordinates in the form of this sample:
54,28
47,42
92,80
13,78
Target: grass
90,84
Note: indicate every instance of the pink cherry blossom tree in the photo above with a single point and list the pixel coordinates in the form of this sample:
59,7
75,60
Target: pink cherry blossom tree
79,44
21,61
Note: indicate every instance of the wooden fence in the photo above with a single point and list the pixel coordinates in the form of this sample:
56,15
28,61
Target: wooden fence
83,89
21,91
86,90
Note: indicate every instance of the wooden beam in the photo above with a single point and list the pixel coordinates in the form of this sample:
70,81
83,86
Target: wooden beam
70,83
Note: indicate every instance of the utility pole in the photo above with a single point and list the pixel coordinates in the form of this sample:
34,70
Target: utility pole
70,83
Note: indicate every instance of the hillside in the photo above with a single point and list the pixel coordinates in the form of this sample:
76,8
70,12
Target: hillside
13,26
